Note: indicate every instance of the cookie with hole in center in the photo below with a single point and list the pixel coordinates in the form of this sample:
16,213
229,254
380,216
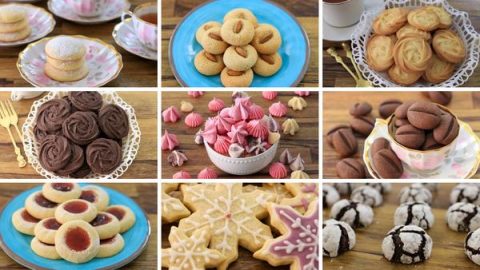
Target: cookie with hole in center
106,224
95,195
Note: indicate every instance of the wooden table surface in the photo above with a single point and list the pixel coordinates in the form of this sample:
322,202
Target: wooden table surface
145,164
145,195
335,76
136,72
306,11
304,142
447,251
466,105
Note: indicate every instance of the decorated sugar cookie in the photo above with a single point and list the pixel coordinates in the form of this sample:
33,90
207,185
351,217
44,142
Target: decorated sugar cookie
303,195
172,208
277,189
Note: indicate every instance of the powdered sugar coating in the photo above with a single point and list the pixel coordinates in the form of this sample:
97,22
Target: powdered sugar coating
415,193
338,237
355,214
472,246
367,195
469,193
330,195
65,48
407,245
463,217
419,214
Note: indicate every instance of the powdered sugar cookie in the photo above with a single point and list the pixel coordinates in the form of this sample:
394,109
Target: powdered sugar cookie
172,208
303,195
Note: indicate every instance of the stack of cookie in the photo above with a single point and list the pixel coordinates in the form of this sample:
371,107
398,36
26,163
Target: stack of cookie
65,59
238,48
14,24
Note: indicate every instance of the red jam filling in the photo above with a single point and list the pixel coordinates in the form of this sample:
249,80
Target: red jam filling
117,212
65,187
100,220
89,195
51,224
77,239
43,202
76,207
27,217
107,241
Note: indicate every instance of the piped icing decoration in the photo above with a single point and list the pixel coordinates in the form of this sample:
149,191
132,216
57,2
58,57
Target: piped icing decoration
303,195
290,126
257,146
278,171
273,137
245,101
171,115
297,164
199,137
299,175
302,93
195,94
223,124
216,105
235,150
258,129
269,95
172,208
238,135
239,111
298,244
256,112
186,106
193,120
225,112
210,133
239,94
272,124
285,157
278,109
176,158
207,173
222,144
169,141
297,103
182,175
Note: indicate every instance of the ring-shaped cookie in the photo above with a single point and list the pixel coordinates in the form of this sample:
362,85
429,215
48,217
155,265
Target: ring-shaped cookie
110,247
75,209
401,77
267,65
61,192
106,224
241,13
438,71
46,229
232,78
411,31
77,241
40,207
202,29
390,20
412,54
44,250
424,19
124,215
95,195
24,222
380,52
240,58
209,64
448,46
267,39
237,32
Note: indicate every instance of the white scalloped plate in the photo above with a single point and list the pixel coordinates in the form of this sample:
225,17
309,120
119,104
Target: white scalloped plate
112,11
125,37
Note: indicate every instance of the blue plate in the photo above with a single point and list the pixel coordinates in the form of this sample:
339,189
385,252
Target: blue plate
295,50
17,245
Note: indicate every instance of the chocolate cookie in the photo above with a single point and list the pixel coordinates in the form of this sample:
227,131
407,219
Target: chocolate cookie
75,162
430,143
86,100
379,144
440,97
401,122
52,114
350,168
424,115
344,142
410,136
363,124
113,121
333,130
82,172
81,127
388,107
447,130
104,156
54,153
387,165
360,109
401,111
41,134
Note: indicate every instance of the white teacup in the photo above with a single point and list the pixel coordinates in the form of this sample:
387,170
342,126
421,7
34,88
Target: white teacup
342,13
145,31
88,8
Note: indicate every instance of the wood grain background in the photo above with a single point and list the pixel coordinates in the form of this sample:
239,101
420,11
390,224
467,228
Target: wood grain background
306,11
136,70
335,76
145,195
145,164
304,142
466,105
447,252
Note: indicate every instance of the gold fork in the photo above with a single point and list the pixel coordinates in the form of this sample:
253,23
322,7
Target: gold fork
6,121
361,81
13,118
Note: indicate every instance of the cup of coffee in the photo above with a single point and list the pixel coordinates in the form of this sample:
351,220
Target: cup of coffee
145,24
88,8
342,13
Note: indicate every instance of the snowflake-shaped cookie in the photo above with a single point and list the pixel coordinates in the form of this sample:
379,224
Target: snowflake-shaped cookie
298,245
232,215
277,189
172,208
303,195
190,253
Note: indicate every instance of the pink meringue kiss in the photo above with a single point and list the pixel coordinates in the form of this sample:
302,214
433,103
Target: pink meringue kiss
302,93
239,112
238,135
278,171
207,173
221,145
193,120
258,129
269,95
278,109
195,94
210,133
169,141
256,112
216,104
171,115
181,175
223,124
245,101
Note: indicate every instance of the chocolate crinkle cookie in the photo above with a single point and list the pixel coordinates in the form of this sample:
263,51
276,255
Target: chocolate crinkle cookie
355,214
344,188
113,121
472,246
338,237
104,155
469,193
52,114
383,188
463,217
81,127
367,195
407,245
415,193
417,213
330,196
86,100
55,152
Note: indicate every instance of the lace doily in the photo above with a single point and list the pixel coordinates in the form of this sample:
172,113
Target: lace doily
130,144
461,25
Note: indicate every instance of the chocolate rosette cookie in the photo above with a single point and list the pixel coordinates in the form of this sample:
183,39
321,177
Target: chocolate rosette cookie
55,152
75,163
86,100
104,156
113,121
41,134
81,127
82,172
52,114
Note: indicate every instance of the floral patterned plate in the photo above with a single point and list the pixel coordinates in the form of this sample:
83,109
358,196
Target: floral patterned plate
462,161
103,61
126,38
41,22
113,10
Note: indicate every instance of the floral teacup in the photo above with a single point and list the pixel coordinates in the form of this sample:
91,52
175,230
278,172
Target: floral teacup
88,8
146,31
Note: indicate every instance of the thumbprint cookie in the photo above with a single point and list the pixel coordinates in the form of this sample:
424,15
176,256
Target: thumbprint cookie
44,250
390,20
124,215
76,209
448,46
46,229
111,246
40,207
24,222
95,195
424,19
106,224
380,52
412,54
77,241
61,192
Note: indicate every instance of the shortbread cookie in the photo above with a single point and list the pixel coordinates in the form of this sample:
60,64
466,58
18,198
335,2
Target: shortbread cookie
232,78
75,209
14,27
106,224
212,42
403,78
303,195
267,65
40,207
298,244
411,31
206,26
24,222
278,190
11,13
390,20
66,75
191,252
240,58
44,250
77,241
424,19
267,39
65,65
124,215
209,64
380,52
241,13
65,48
110,247
46,229
438,71
15,36
237,32
448,46
61,192
95,195
172,208
443,15
232,215
412,54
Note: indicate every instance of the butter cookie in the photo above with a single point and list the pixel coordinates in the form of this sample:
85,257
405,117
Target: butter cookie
380,52
390,20
448,46
412,54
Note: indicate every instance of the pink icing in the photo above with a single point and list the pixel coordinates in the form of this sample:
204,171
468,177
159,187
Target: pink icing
216,105
269,95
245,101
193,120
210,133
239,112
223,124
207,173
278,171
222,144
238,135
169,141
278,109
258,129
181,175
171,115
303,93
256,112
195,94
225,112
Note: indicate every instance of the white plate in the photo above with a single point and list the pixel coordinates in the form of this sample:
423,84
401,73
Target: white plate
125,37
113,10
41,22
103,61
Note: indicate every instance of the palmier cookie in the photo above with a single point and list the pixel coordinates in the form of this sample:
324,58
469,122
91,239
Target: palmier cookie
448,46
232,78
40,207
241,13
212,42
412,54
44,250
66,75
110,247
380,52
46,229
76,209
15,36
443,15
240,58
124,215
267,39
403,78
438,70
106,224
424,19
411,31
14,27
267,65
209,64
95,195
61,192
206,26
24,222
237,32
390,20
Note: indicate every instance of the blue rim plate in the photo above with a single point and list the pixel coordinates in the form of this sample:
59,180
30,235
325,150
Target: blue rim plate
295,50
17,245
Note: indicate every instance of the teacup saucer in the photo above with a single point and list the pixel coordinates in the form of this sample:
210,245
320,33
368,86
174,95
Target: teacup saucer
462,162
41,22
126,38
112,11
103,61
